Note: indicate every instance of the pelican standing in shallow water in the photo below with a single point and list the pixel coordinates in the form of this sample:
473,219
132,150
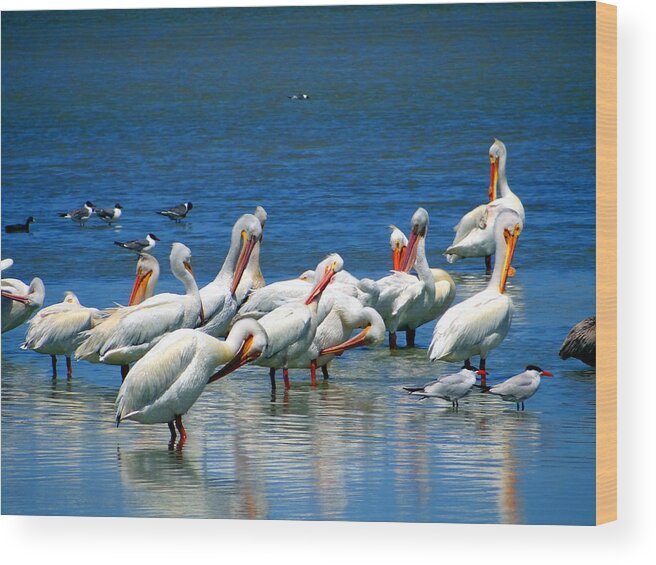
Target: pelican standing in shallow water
220,299
19,301
521,387
130,332
475,231
166,382
480,323
407,302
581,342
57,330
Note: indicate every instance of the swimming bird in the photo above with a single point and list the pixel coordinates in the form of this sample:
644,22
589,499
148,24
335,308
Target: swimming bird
252,279
81,215
139,245
110,215
20,301
20,228
145,280
291,328
299,96
407,302
451,387
57,330
178,212
480,323
166,382
581,342
521,387
475,231
220,298
128,333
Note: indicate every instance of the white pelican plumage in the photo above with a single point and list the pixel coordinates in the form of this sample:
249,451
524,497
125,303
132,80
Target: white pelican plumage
475,231
57,330
291,327
220,299
451,387
165,383
130,332
19,301
521,387
398,243
480,323
407,302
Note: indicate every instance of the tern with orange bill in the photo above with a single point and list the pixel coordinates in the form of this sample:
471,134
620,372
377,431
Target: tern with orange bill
480,323
130,332
220,297
166,382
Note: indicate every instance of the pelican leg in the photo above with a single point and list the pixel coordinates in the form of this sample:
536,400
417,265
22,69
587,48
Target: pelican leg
324,371
482,368
410,338
272,376
178,424
285,377
313,372
488,264
522,405
69,367
54,366
125,369
392,340
517,404
172,430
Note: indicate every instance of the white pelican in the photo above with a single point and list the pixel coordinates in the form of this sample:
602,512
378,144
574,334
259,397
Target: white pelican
165,383
253,278
291,328
6,263
81,215
521,387
130,332
480,323
581,342
451,387
407,302
19,301
220,300
474,233
56,330
398,243
145,280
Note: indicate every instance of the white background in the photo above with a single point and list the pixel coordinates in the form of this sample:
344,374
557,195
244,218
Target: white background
631,539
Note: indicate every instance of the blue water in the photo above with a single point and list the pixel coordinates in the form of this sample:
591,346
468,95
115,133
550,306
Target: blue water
152,108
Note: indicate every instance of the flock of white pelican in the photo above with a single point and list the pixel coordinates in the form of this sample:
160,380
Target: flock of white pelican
170,346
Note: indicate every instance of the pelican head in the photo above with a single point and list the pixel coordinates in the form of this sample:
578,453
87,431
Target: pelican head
249,229
36,294
307,276
507,225
249,339
398,243
373,333
418,231
323,274
70,298
496,152
146,279
260,214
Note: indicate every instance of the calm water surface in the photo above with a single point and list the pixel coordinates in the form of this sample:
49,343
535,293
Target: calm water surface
151,108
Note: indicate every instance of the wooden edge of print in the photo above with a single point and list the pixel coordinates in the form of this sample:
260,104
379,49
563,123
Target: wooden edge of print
606,178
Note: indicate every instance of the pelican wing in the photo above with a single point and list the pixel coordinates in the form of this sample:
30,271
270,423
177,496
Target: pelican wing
469,324
59,323
471,220
285,326
267,299
155,373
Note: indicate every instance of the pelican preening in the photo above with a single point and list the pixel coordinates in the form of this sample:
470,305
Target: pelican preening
219,298
19,301
57,330
480,323
521,387
165,383
130,332
475,231
177,213
581,342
